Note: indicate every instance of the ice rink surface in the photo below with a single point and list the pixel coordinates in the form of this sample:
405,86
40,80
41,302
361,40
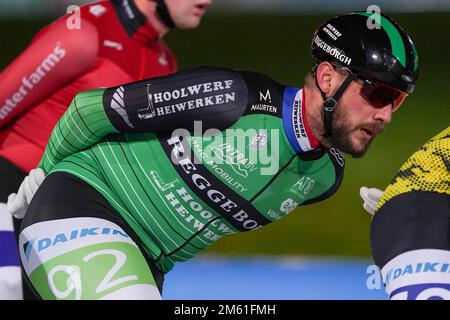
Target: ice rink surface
272,278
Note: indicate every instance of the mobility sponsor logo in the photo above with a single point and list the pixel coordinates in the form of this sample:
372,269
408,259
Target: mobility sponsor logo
43,243
332,51
208,159
236,210
235,159
30,81
242,151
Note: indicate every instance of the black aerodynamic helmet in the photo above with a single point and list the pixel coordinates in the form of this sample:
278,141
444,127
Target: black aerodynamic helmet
385,54
375,49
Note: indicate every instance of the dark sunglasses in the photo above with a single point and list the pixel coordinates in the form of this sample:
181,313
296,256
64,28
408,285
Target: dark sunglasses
376,93
379,95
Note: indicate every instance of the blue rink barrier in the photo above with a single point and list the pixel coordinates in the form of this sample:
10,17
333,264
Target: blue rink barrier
210,278
8,252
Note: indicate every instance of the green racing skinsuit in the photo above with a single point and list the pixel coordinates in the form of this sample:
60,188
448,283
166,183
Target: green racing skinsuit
187,158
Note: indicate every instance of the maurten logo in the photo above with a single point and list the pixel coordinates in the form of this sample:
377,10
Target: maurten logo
264,98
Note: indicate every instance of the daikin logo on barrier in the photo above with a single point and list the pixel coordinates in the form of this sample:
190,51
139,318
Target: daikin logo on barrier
43,241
